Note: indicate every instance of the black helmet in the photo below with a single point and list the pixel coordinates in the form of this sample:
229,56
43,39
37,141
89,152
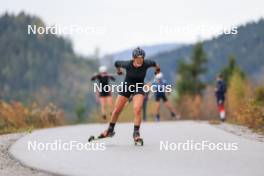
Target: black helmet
138,52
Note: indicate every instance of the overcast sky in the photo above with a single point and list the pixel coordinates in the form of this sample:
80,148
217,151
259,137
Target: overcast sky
120,24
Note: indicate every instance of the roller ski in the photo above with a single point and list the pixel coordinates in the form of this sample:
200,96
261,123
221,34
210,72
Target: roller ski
137,140
106,134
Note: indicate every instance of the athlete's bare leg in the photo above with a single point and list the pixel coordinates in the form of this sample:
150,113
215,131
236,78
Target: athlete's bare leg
110,103
157,112
103,105
119,105
169,106
137,107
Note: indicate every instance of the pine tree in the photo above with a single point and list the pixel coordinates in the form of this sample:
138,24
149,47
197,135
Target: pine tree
232,67
189,81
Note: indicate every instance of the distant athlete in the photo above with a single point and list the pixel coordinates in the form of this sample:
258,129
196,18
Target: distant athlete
135,74
160,94
220,92
105,97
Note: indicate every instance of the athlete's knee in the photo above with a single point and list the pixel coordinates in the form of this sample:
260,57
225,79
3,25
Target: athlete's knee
167,104
137,110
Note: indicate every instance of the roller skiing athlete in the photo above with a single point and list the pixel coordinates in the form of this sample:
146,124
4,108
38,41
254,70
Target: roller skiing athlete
105,97
136,69
220,91
159,84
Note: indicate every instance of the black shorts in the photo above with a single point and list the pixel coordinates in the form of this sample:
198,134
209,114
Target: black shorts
129,94
161,97
104,94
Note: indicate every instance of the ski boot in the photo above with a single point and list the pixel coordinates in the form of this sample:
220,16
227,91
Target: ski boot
173,116
105,134
137,139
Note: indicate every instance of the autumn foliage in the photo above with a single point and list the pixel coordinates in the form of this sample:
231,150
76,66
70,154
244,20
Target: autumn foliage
15,115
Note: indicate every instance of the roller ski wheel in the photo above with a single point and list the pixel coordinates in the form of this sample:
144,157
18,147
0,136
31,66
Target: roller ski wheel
137,140
105,134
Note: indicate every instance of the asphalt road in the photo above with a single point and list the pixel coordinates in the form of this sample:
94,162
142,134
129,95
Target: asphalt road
118,156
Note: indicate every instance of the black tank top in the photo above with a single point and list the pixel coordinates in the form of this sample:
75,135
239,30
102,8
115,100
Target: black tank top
135,74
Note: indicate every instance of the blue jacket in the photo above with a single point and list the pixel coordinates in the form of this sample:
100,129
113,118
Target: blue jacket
220,90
